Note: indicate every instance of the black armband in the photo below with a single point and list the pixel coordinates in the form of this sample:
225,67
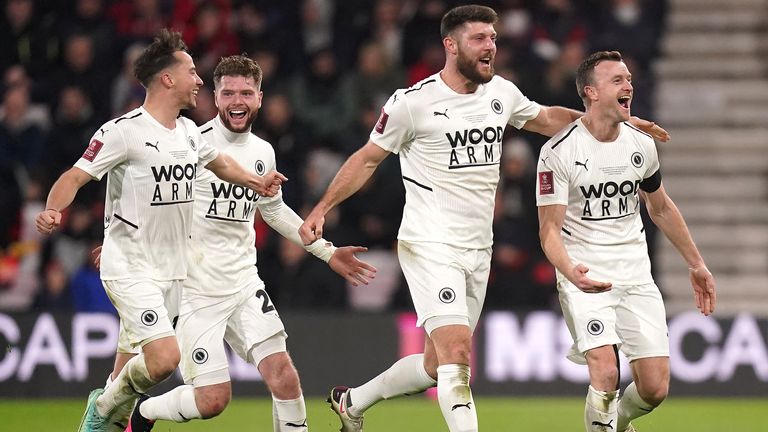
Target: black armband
651,183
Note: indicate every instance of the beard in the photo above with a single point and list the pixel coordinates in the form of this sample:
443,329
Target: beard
469,68
251,116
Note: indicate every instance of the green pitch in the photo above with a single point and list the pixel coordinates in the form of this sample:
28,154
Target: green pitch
420,414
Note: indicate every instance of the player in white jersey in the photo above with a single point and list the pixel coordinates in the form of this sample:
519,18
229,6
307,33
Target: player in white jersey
151,156
447,130
590,180
223,297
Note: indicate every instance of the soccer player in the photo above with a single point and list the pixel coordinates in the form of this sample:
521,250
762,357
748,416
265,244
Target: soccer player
591,177
448,131
152,156
223,297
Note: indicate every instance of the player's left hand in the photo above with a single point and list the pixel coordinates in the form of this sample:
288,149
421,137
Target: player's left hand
96,255
657,132
345,263
703,284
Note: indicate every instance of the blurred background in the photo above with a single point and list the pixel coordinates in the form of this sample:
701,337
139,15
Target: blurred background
699,70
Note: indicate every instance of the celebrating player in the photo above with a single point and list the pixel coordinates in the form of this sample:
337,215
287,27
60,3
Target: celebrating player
590,179
152,156
447,130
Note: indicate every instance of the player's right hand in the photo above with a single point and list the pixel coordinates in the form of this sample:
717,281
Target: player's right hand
312,228
578,277
272,182
47,221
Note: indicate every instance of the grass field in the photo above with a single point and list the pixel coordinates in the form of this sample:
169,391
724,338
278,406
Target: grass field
419,414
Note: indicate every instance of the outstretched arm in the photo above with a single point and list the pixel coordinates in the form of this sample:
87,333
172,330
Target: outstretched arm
229,170
552,119
667,217
60,197
551,219
351,177
342,260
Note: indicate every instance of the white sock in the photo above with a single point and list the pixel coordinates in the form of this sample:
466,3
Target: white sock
177,405
289,415
405,377
133,379
631,406
600,410
455,398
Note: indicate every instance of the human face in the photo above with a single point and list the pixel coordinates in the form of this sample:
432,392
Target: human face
186,83
238,99
612,90
476,51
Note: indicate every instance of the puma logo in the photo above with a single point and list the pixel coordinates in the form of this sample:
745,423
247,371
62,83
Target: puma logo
444,113
604,425
103,131
584,164
466,405
544,160
154,146
303,424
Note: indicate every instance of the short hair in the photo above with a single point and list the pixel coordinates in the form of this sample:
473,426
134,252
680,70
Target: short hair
585,74
237,65
158,55
459,15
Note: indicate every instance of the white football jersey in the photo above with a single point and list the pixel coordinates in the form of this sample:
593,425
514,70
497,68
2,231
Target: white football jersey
599,182
450,147
150,190
223,252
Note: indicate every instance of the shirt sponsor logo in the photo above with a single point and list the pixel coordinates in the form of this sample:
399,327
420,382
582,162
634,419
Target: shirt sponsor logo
546,183
93,149
382,122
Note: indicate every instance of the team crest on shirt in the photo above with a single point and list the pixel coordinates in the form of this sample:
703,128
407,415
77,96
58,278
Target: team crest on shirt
192,144
595,327
496,106
637,159
447,295
199,356
260,168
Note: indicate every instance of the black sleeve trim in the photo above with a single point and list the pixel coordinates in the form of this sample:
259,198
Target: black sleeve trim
563,138
207,130
125,221
652,183
127,118
419,87
638,130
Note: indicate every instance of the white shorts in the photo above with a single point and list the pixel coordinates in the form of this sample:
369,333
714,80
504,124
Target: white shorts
447,283
247,320
632,317
146,308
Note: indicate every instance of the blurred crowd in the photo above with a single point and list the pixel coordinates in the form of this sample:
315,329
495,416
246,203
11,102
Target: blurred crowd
329,66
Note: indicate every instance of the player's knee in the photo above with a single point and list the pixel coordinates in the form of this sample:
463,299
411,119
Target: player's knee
654,395
213,405
164,366
286,384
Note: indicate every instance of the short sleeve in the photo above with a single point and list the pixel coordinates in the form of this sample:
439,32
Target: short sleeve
206,152
395,126
105,151
551,179
522,109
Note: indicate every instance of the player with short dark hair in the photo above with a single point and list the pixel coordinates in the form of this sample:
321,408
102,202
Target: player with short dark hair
223,298
591,177
151,156
447,130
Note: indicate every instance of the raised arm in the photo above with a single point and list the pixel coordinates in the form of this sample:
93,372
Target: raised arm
667,217
552,119
351,177
551,219
60,197
229,170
